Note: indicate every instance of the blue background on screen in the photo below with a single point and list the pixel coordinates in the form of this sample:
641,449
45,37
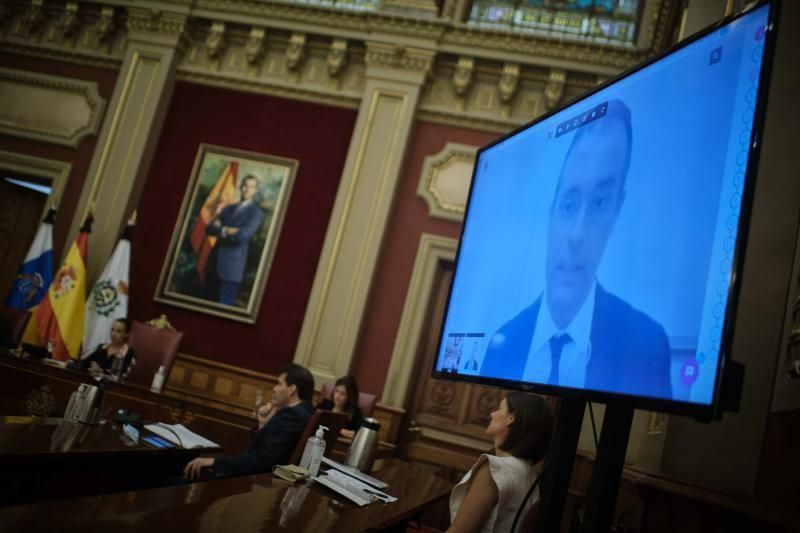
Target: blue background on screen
667,256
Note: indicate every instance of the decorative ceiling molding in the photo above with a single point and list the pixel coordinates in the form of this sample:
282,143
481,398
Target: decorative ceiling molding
474,77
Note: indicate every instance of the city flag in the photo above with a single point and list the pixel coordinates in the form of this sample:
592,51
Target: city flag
224,192
36,273
60,316
108,300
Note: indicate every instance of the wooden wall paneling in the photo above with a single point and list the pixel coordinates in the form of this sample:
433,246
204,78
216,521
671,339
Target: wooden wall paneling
234,389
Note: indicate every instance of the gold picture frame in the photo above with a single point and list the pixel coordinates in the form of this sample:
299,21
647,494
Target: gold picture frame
224,241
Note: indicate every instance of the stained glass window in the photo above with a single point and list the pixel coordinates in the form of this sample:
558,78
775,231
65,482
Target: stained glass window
610,21
357,5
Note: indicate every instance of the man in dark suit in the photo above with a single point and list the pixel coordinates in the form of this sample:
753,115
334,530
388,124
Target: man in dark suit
281,422
576,334
234,226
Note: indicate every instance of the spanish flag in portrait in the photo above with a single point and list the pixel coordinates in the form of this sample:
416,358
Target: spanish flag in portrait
59,317
223,193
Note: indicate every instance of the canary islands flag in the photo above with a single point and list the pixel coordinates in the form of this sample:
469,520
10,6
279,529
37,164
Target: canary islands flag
60,316
36,273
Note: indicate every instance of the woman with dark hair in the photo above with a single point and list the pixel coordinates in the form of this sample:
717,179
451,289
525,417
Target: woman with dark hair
344,399
114,358
487,497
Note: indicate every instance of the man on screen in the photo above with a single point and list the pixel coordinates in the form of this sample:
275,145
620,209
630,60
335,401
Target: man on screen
576,334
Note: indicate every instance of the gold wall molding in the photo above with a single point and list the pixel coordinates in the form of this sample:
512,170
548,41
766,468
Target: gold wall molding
432,250
128,137
55,172
444,181
48,108
234,389
360,215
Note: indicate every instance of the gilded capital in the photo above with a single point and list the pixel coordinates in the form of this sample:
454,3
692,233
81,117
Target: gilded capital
508,82
156,22
462,76
337,57
215,40
295,52
397,57
70,22
33,20
255,46
105,28
554,88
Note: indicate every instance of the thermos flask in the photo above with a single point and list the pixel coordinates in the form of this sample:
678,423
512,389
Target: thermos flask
365,445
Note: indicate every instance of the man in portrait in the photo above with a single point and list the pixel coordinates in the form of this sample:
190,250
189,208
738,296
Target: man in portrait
234,226
576,334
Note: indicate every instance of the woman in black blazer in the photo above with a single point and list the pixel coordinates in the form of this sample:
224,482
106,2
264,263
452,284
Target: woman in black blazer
344,399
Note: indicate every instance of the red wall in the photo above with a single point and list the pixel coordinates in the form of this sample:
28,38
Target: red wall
79,157
409,220
318,137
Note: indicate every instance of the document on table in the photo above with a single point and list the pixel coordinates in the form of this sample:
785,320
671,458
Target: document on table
356,473
354,490
180,435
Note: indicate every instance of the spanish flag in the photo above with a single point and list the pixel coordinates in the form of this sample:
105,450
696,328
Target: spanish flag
223,193
59,317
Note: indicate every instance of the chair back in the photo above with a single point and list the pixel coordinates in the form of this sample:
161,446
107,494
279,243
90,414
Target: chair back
366,401
531,517
12,325
333,421
153,347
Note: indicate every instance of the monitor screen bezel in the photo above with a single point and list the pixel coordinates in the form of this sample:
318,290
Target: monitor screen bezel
698,410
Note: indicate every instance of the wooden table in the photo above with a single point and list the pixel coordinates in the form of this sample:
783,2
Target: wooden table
41,459
31,387
48,458
250,503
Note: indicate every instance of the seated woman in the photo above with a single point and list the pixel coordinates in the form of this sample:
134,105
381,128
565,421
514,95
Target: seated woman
344,399
488,496
102,360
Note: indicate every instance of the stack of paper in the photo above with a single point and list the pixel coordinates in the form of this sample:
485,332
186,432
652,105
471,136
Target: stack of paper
354,490
180,435
356,473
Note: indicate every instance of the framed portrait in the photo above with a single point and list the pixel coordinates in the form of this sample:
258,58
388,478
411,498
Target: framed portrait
225,237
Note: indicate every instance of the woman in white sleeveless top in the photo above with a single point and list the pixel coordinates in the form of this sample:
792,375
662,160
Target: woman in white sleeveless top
488,496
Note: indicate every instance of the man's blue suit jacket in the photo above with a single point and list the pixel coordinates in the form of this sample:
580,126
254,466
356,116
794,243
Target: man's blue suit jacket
232,249
629,350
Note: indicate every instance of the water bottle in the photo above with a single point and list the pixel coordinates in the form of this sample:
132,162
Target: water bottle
365,446
158,380
116,368
313,452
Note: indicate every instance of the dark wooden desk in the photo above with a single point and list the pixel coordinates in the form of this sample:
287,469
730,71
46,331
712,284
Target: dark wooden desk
50,458
251,503
41,459
30,387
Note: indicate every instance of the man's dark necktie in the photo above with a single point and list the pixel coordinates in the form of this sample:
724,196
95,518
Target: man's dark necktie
557,343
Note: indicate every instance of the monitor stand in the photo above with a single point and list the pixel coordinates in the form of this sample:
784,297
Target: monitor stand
603,487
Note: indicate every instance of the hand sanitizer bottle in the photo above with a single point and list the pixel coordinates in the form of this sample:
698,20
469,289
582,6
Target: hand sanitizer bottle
313,452
158,379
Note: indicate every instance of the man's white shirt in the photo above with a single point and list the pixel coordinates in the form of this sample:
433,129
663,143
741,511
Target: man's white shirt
575,354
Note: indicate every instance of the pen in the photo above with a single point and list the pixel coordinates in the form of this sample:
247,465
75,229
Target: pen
380,495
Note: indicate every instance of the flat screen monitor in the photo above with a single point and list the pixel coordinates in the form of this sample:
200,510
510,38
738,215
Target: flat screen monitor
601,242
